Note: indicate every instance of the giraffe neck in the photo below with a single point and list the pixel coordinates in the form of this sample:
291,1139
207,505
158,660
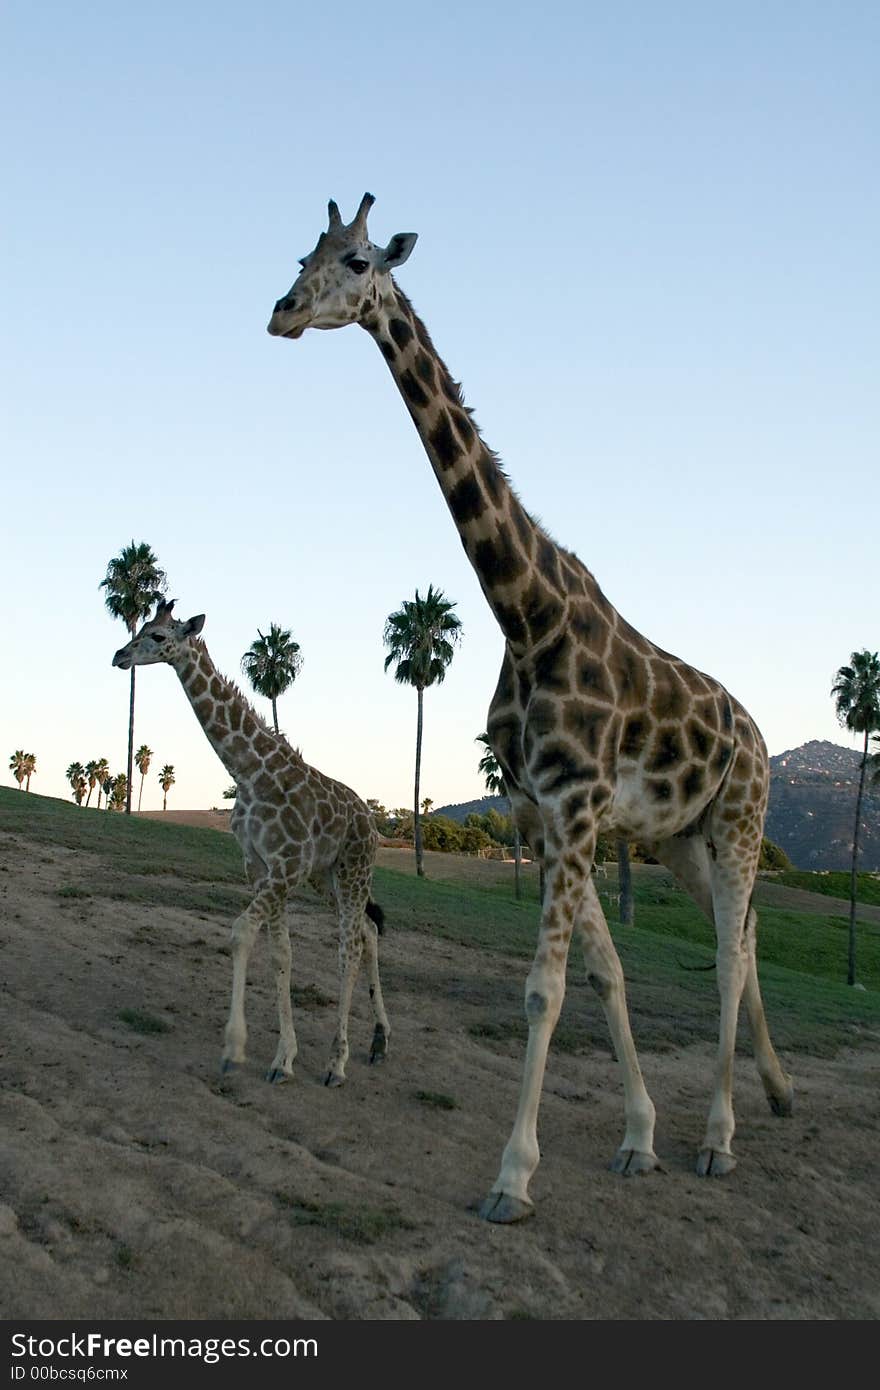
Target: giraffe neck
233,728
523,573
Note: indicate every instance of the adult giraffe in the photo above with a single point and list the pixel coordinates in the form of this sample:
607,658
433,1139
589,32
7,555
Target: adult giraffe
593,726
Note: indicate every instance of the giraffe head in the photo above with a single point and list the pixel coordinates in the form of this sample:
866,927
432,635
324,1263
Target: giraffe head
342,280
162,638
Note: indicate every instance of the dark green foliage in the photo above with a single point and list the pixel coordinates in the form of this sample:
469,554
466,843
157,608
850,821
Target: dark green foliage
441,833
772,857
497,828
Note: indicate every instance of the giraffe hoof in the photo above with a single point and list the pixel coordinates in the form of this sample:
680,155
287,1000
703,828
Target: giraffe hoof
712,1163
334,1079
631,1163
504,1210
784,1104
229,1068
276,1075
379,1045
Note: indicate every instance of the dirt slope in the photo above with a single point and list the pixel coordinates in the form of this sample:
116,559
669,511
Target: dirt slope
135,1183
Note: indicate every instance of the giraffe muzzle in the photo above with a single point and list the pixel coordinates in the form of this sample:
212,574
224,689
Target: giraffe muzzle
282,323
122,660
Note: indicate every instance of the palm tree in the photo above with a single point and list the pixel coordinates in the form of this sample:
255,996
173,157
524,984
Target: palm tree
494,780
134,582
102,774
421,638
272,664
108,785
76,776
856,693
17,766
142,758
30,767
117,797
166,781
92,775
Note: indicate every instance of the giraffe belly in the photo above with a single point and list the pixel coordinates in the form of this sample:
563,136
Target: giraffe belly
644,808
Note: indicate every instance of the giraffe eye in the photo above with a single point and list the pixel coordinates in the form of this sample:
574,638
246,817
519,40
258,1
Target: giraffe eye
158,636
357,265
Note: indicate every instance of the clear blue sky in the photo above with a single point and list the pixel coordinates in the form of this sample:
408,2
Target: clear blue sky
647,246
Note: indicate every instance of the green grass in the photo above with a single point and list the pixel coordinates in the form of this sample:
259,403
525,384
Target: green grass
832,885
802,966
435,1100
140,1022
802,957
131,845
814,944
359,1224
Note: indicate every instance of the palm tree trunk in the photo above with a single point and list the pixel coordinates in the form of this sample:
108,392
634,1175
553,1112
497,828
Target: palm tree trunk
89,797
275,714
164,799
853,881
624,883
417,825
141,792
517,861
130,740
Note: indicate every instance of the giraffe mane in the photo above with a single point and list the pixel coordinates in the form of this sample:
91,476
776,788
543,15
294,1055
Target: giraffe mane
427,343
239,694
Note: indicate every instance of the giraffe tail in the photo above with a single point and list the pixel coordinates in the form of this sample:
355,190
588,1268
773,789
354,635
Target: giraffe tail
375,913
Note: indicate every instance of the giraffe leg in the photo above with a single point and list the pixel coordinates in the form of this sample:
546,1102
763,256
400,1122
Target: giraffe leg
244,931
282,1065
509,1199
732,875
605,974
777,1083
382,1028
351,942
688,859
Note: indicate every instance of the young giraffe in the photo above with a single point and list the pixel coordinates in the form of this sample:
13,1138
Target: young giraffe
293,824
594,727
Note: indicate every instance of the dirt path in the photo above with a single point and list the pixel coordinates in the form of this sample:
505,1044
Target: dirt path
135,1183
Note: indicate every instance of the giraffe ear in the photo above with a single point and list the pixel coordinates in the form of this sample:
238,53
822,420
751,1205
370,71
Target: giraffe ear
398,250
194,626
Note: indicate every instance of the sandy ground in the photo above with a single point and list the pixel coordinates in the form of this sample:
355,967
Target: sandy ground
134,1182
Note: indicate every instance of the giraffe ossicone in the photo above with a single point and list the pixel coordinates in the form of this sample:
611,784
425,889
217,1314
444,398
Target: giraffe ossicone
593,725
294,825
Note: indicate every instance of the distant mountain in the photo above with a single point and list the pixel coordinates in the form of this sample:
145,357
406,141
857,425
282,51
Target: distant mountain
813,804
462,809
811,813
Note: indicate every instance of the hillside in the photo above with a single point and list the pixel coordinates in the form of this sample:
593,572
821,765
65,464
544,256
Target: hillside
812,806
137,1182
460,810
